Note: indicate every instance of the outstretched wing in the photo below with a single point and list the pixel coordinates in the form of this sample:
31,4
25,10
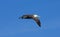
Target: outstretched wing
37,21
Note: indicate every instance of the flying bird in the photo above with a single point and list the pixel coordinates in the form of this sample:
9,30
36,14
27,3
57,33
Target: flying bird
34,17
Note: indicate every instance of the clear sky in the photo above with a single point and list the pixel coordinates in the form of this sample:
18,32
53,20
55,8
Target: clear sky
11,10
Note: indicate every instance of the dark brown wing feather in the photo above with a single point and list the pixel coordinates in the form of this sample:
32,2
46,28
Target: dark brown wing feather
37,21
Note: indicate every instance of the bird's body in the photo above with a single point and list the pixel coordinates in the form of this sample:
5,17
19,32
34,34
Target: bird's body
34,17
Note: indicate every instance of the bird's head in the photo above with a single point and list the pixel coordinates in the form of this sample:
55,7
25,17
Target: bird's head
36,16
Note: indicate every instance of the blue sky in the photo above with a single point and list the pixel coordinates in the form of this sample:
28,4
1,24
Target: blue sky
11,10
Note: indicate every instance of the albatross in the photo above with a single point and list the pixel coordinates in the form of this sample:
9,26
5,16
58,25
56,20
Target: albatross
34,17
